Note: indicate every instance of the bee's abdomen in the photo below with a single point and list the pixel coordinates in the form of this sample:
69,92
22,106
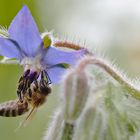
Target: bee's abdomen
13,108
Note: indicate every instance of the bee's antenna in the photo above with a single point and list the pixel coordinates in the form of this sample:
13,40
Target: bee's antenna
29,114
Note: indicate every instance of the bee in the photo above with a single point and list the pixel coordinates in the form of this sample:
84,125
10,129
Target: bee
34,96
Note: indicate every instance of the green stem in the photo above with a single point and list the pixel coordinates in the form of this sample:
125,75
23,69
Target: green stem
133,90
67,131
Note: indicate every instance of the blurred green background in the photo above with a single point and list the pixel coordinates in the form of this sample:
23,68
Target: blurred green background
9,76
106,26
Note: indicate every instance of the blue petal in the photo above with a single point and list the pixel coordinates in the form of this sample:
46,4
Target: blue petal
55,56
55,74
24,31
9,49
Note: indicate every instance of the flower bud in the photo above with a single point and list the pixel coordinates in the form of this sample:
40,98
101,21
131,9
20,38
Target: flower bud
75,93
91,123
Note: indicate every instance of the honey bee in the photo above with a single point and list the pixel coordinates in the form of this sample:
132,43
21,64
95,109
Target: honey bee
35,95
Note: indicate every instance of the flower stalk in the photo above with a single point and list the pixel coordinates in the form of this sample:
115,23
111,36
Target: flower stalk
68,131
114,73
67,44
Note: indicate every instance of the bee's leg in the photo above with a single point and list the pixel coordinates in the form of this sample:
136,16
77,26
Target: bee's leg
26,73
22,85
20,96
43,82
36,86
47,77
29,79
27,84
32,79
20,88
44,86
20,79
29,92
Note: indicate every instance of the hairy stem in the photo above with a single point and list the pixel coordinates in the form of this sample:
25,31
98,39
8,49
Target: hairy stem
67,44
68,131
133,90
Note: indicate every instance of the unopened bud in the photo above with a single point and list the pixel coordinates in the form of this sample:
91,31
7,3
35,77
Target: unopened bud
75,93
91,123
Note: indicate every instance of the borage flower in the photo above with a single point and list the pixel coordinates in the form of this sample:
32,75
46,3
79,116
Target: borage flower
23,42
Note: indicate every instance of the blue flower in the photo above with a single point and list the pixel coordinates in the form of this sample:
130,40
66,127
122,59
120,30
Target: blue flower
24,43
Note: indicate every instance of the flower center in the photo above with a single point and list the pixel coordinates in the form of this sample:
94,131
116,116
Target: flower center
32,63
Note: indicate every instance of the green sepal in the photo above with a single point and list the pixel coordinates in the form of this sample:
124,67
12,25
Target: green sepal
63,65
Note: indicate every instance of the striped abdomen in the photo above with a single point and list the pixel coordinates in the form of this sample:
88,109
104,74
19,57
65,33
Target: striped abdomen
13,108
